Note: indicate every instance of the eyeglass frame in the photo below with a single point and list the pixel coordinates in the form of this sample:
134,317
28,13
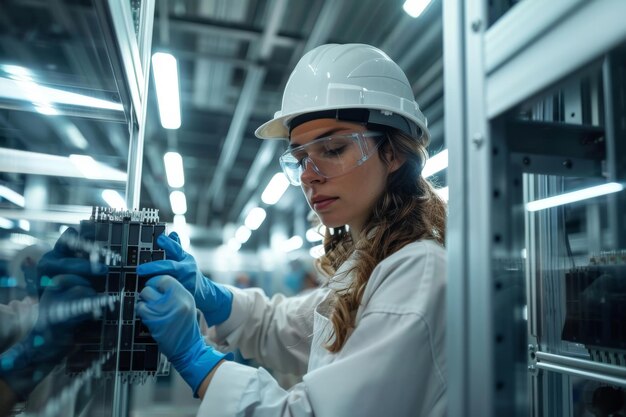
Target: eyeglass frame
355,136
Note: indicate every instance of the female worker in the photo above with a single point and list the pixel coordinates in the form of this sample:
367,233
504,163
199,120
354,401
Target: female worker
371,341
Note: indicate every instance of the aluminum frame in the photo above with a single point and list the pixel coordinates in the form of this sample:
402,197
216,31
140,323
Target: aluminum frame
483,81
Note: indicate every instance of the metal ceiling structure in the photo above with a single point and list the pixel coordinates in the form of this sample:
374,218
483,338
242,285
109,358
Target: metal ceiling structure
234,59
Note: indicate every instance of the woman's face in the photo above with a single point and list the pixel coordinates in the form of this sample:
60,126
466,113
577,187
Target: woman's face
347,199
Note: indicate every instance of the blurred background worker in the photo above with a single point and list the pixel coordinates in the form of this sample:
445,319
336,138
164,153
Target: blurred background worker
301,277
364,342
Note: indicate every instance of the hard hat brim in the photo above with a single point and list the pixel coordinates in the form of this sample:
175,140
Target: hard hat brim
278,127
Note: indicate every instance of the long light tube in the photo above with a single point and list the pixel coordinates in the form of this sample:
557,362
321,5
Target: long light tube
315,234
233,244
94,170
243,234
25,162
114,199
255,218
443,193
275,189
165,72
178,202
24,224
21,86
584,194
316,251
174,169
12,196
182,228
436,163
291,244
414,8
6,223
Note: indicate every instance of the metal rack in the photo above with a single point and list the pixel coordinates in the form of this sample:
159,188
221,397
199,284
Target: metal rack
531,108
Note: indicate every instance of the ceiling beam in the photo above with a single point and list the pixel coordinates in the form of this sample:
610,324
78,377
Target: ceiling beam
231,30
261,162
254,79
325,21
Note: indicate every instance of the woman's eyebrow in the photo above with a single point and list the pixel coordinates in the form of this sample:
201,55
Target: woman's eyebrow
321,135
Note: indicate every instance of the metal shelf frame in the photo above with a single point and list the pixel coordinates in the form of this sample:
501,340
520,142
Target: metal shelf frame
487,72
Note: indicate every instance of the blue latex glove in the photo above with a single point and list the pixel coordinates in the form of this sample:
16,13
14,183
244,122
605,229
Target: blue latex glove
25,364
64,260
169,312
214,300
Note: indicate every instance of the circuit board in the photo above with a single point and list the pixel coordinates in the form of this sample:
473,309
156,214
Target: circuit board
121,239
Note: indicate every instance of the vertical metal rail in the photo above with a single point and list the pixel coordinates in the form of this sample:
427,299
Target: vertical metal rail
135,58
479,238
134,51
456,300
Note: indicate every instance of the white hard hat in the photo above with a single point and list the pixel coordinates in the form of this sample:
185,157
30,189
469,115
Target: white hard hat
331,80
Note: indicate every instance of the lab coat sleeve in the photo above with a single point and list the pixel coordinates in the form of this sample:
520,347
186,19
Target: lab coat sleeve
275,332
392,364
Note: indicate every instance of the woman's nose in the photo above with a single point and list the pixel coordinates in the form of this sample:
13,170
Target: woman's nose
309,173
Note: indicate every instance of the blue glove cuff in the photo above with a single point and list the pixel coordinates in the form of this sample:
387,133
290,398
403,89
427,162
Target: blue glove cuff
218,309
195,366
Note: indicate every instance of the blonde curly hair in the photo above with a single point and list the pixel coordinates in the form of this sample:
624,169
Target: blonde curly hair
407,211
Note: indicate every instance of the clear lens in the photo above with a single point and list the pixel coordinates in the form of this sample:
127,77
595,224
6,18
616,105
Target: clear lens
330,156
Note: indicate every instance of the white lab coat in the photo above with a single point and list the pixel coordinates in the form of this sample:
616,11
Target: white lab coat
393,363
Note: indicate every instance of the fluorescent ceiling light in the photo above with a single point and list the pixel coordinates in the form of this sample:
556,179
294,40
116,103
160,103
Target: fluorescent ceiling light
275,189
24,224
34,163
75,136
22,87
180,221
233,244
315,234
443,193
584,194
174,169
114,199
436,163
94,170
182,228
12,196
178,202
255,218
23,239
316,251
414,8
292,244
6,223
243,234
17,72
46,109
165,73
63,214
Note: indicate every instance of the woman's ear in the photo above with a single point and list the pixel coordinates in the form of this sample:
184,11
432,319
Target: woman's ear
394,159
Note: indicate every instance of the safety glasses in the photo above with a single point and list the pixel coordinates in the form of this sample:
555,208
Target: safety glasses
330,156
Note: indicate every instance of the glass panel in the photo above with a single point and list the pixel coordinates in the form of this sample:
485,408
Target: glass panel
64,140
561,234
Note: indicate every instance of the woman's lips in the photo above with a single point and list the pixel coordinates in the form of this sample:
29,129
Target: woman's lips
322,204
